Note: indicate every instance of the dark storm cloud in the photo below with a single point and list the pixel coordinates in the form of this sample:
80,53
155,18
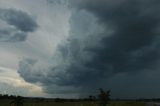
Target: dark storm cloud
108,37
21,20
19,23
132,46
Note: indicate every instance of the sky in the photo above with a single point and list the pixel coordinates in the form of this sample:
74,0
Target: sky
71,48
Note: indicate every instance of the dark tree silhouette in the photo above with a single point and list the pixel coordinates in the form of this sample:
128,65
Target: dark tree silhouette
18,101
104,97
92,98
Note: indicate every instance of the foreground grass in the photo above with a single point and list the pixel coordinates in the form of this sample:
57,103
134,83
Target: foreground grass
52,103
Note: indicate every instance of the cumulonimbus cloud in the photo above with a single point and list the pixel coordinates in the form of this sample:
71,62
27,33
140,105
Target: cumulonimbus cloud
107,38
19,24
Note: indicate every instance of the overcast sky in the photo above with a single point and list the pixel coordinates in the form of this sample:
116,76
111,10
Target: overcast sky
71,48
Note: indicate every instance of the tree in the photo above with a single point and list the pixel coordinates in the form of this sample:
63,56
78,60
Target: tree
91,98
104,97
17,102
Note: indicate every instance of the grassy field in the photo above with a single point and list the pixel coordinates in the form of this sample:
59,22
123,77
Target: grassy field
52,103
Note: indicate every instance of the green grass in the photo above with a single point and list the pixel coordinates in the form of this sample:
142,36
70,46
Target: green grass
52,103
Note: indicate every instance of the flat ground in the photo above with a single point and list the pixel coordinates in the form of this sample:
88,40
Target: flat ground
52,103
152,104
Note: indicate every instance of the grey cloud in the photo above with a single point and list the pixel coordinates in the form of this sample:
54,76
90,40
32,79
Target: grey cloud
107,38
135,85
12,35
27,66
61,2
19,24
21,20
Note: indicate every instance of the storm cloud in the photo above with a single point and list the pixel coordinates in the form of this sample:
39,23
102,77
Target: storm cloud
107,38
18,25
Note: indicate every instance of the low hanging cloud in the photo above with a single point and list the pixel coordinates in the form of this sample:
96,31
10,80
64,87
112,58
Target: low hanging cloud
19,25
107,38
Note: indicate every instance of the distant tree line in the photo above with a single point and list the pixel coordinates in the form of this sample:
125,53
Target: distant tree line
5,96
103,98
